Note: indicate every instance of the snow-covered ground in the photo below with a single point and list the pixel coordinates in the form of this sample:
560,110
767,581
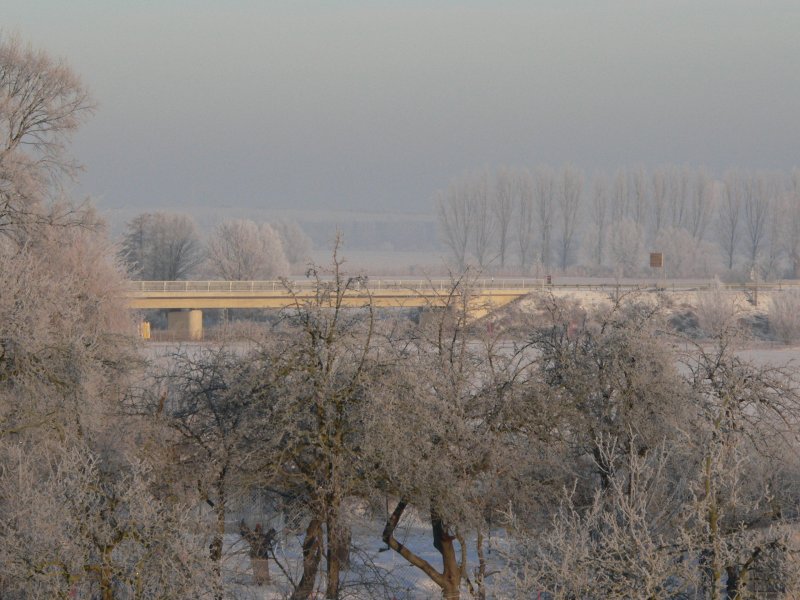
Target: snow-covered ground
374,573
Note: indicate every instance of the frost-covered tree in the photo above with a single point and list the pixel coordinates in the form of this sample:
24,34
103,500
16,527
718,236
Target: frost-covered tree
161,247
241,250
42,103
82,514
297,246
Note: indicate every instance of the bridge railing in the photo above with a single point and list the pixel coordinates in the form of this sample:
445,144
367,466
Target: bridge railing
427,285
283,285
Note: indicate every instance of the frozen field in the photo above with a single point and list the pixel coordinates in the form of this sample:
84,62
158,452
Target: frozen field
775,355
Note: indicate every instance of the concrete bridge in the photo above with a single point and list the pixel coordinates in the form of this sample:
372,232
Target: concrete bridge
185,300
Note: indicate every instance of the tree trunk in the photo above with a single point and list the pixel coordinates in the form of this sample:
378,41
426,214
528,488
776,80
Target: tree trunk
714,568
215,548
732,586
343,549
311,558
443,542
480,575
260,568
332,551
604,469
106,577
391,541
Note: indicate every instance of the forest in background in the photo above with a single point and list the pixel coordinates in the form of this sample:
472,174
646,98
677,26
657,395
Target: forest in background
742,226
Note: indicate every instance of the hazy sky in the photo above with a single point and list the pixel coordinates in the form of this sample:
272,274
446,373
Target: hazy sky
376,105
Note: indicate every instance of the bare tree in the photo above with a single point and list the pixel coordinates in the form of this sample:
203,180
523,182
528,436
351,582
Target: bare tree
701,204
729,215
484,226
599,214
613,377
297,245
503,208
545,192
703,496
639,192
178,246
318,365
747,416
792,234
776,230
456,221
63,331
659,186
81,530
205,399
525,216
440,440
757,202
619,197
161,247
419,436
42,102
626,246
284,418
684,256
630,540
83,514
678,194
570,194
242,250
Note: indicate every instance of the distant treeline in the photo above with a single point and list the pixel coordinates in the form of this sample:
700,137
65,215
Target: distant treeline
384,231
746,223
168,246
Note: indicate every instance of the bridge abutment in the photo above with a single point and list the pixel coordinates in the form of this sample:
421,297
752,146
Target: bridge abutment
185,324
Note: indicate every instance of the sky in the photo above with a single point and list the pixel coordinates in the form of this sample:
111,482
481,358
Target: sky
374,106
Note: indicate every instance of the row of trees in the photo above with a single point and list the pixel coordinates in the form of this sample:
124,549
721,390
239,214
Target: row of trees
555,219
167,246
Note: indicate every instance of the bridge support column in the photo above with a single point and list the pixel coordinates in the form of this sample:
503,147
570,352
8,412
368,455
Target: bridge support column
185,324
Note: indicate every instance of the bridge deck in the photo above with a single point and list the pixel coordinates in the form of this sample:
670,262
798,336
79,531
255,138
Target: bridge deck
196,295
398,293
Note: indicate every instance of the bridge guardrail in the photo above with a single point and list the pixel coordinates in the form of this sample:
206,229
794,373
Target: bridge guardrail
284,285
375,285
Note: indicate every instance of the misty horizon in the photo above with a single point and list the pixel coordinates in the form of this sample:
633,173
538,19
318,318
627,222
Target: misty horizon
376,106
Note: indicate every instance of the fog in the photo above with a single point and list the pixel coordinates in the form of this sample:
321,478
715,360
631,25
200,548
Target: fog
376,105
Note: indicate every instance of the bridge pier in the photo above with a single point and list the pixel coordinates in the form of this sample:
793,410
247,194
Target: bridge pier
185,324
